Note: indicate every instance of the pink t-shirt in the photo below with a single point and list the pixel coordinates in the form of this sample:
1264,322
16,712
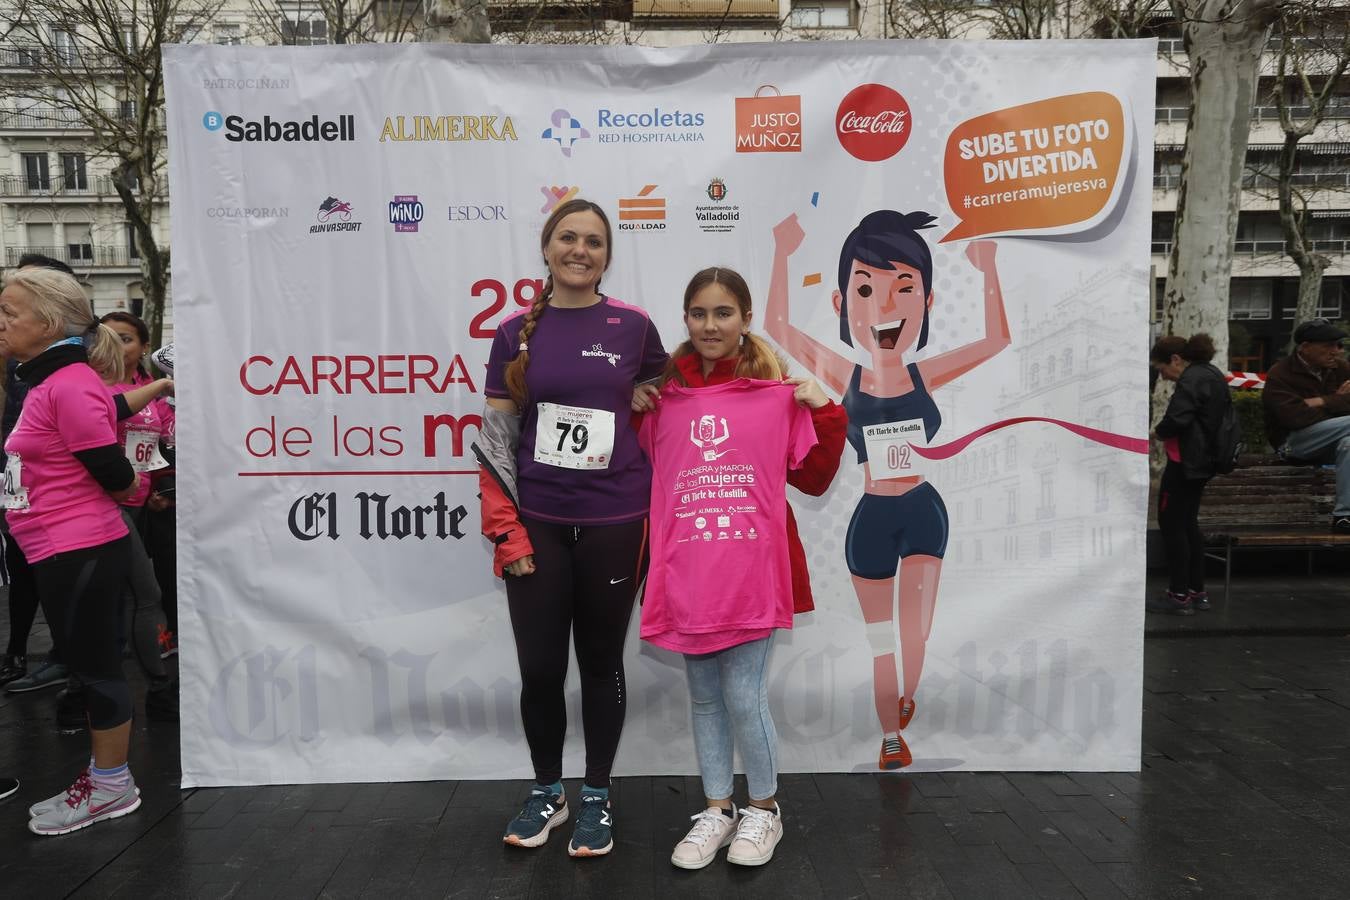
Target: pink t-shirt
155,419
67,509
719,573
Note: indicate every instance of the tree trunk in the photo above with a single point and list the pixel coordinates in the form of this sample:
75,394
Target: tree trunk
1311,264
458,22
140,210
1224,40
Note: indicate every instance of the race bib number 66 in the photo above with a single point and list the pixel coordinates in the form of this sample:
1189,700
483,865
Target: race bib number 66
573,437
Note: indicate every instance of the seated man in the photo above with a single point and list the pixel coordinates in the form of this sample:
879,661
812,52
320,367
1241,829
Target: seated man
1307,406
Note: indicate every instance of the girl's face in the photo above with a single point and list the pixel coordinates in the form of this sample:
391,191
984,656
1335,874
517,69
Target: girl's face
1172,369
715,323
132,347
886,307
577,252
23,335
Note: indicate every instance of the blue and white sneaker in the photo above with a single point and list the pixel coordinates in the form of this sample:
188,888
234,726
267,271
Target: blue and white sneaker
593,835
543,811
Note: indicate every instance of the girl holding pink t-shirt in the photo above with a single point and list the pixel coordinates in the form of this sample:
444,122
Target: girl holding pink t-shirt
64,477
725,640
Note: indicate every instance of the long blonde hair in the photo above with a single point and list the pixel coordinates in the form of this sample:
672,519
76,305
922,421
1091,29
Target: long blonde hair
757,359
61,304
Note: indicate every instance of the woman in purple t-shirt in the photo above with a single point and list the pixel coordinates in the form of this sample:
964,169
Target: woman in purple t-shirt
64,477
565,493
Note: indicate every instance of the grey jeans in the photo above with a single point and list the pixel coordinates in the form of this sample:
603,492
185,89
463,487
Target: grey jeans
1315,442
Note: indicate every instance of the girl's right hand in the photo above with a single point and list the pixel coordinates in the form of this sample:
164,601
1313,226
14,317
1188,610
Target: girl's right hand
522,566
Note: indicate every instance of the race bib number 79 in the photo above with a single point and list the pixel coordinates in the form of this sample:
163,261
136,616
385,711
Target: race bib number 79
573,437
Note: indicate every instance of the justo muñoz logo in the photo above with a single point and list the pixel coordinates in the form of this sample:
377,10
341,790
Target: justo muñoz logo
873,122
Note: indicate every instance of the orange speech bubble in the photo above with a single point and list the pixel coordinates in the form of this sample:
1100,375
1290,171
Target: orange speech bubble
1050,167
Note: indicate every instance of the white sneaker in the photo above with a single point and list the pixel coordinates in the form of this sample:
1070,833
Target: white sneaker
758,832
85,804
713,829
51,803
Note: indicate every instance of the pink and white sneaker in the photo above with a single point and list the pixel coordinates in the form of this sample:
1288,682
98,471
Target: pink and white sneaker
85,803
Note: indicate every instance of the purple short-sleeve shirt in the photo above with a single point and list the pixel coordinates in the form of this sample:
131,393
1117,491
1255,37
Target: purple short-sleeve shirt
583,363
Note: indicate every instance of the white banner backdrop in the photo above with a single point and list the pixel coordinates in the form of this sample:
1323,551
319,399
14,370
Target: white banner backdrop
351,223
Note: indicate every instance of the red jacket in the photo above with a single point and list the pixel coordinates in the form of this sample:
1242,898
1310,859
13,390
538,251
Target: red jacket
814,477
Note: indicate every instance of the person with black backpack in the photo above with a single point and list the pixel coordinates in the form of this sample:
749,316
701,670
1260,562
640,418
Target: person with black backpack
1200,433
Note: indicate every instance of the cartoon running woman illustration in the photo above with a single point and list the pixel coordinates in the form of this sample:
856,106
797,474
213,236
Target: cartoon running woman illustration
705,438
884,301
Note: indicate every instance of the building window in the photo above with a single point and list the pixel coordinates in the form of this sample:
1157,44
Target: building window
979,551
35,174
1249,298
126,109
1068,362
228,35
1010,453
1035,374
304,32
127,35
1047,507
1045,545
979,509
821,14
79,243
1012,505
64,46
1330,304
1103,501
73,174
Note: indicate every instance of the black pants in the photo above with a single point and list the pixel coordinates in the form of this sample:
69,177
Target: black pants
81,593
23,599
1178,521
585,582
161,535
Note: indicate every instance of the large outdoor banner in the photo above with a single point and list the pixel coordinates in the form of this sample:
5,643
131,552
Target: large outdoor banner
350,225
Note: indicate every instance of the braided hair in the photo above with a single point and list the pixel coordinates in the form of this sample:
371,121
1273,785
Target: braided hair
515,370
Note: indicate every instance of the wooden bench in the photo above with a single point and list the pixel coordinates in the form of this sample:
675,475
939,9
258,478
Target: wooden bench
1269,504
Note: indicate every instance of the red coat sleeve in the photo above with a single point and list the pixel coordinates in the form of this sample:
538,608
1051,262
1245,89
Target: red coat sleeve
821,464
501,524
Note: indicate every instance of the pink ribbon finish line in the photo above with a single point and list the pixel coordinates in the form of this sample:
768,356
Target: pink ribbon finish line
1110,439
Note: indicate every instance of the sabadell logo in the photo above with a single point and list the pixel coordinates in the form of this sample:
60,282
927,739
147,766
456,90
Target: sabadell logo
872,122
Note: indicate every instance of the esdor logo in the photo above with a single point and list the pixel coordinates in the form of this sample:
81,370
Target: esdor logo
872,122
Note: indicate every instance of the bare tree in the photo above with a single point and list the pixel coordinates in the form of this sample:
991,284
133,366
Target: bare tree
1314,52
337,21
458,22
1224,40
96,67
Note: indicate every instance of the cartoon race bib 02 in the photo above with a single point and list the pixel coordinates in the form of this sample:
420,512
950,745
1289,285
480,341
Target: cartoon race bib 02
889,454
573,437
14,495
142,449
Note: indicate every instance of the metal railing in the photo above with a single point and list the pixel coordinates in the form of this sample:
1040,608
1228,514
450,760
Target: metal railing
1266,248
57,186
36,118
1171,181
33,56
1259,113
97,255
705,9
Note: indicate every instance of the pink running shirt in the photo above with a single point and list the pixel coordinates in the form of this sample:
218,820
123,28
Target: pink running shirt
70,410
719,573
157,418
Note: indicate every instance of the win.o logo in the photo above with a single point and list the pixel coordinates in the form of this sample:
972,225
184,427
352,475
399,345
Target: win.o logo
213,121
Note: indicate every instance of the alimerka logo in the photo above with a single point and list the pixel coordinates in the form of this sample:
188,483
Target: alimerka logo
872,122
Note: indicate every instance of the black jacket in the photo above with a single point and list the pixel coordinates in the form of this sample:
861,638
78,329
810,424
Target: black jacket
1194,415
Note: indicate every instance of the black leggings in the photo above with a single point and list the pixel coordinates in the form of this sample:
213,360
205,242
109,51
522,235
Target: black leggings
585,582
23,599
81,593
1178,521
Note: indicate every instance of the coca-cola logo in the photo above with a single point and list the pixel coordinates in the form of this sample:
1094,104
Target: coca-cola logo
873,122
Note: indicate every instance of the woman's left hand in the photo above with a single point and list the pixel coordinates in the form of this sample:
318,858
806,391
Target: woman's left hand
808,392
645,397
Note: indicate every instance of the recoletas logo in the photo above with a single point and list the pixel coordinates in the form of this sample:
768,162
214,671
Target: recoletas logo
269,130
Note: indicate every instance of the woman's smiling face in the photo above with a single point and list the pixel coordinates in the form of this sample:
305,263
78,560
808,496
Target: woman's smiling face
886,306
